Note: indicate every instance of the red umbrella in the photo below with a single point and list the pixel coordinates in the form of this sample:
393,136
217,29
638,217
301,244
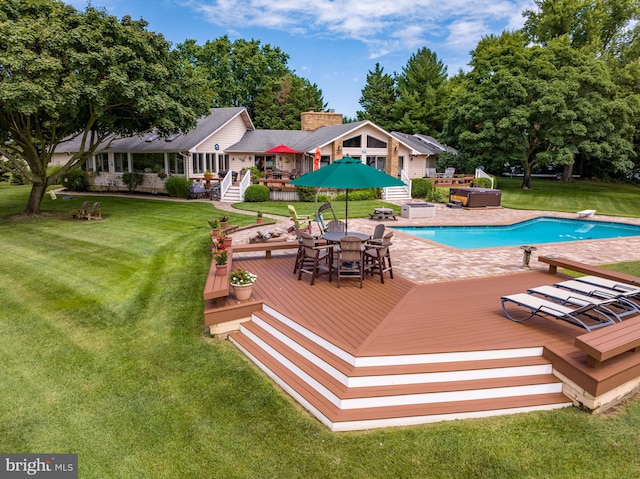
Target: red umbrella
316,159
282,149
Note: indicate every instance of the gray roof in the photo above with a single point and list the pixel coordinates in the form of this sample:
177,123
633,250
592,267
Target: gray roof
205,127
259,141
423,144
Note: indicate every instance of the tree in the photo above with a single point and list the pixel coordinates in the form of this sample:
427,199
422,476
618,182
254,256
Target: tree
280,103
536,105
65,73
600,24
235,71
420,107
378,98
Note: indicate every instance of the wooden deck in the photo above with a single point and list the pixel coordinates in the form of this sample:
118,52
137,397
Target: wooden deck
401,326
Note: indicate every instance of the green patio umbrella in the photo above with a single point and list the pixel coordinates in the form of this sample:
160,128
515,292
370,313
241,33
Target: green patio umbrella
349,174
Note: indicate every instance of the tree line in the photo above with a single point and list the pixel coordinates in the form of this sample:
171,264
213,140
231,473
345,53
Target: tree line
564,91
561,93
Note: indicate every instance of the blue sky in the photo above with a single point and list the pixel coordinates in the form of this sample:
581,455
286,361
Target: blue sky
333,43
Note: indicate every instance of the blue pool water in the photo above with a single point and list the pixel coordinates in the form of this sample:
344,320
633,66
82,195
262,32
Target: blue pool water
531,232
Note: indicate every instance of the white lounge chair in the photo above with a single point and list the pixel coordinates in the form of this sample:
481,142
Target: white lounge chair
628,289
607,307
586,213
623,297
541,307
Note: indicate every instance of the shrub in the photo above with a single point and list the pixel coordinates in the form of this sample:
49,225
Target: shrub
357,195
421,188
439,195
256,193
483,182
177,186
323,198
76,180
132,179
306,193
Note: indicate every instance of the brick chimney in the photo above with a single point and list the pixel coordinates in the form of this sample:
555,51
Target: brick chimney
312,120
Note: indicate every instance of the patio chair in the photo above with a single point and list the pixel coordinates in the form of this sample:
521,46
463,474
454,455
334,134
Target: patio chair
349,259
316,259
430,173
377,257
336,226
625,295
81,212
322,210
609,307
536,306
302,222
378,233
94,212
628,289
449,172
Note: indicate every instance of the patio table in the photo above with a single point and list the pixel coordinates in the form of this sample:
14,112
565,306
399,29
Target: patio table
336,237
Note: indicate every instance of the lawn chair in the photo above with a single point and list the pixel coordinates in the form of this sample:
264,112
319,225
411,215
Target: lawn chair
349,259
377,235
449,172
431,173
316,259
94,212
302,222
624,296
609,307
377,258
81,212
536,306
322,210
336,226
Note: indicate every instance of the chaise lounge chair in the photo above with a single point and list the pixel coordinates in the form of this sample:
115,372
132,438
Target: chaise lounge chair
628,289
623,296
302,222
587,317
609,307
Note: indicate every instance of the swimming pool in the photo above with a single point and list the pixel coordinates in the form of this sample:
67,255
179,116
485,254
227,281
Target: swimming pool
531,232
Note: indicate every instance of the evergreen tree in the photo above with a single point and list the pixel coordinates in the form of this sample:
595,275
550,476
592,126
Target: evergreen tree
378,98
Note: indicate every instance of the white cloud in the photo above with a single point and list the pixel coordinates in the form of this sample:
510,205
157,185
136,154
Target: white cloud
384,26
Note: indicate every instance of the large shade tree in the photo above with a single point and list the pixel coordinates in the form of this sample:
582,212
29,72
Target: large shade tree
65,73
378,98
279,104
236,71
534,105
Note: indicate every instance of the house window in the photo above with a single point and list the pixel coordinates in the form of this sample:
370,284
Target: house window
102,163
210,159
223,162
324,160
120,162
375,143
197,163
176,164
355,142
148,162
377,162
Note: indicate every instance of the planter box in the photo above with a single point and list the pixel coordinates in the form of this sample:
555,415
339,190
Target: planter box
418,210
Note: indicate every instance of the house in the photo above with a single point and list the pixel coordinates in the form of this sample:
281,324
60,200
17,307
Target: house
226,141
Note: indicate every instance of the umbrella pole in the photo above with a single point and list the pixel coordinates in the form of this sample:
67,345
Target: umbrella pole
346,213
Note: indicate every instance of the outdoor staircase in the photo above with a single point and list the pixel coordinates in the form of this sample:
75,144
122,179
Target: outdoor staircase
396,194
232,195
346,392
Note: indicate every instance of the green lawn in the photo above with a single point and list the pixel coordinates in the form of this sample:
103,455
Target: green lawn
103,355
549,195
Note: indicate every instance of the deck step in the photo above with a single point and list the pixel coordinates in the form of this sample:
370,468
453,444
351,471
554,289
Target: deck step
363,416
347,397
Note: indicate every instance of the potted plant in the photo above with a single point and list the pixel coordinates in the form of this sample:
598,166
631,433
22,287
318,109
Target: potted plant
224,241
259,217
224,221
208,175
242,283
220,256
215,228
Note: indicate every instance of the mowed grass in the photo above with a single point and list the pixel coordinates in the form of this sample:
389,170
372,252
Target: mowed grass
103,355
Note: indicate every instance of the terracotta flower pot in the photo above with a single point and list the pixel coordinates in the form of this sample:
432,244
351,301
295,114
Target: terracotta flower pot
223,224
242,292
221,268
259,220
227,241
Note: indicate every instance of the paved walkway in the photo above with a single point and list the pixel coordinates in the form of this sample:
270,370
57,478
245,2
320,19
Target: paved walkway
426,261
